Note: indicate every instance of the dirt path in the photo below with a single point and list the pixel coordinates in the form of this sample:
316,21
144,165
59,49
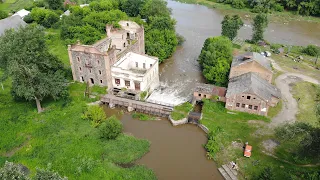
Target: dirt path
290,105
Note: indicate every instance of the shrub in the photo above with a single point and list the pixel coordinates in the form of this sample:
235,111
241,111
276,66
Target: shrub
28,19
38,3
142,117
111,128
238,4
46,174
255,48
13,171
95,114
3,14
44,17
266,174
311,50
143,95
278,7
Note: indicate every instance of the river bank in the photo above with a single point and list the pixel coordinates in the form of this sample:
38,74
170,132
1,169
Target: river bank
275,16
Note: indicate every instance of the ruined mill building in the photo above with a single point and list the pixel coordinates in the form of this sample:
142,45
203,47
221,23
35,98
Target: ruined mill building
117,61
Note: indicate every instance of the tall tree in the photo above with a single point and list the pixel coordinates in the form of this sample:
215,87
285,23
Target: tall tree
154,8
132,7
231,25
55,4
260,22
36,74
215,59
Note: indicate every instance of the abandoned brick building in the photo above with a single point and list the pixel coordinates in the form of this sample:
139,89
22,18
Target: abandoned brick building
93,63
251,93
251,62
207,91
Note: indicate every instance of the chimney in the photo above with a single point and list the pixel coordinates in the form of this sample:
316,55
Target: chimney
108,30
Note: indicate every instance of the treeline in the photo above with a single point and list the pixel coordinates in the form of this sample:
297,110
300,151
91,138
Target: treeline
303,7
87,24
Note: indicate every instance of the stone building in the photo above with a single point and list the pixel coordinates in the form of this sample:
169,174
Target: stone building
251,62
251,93
92,63
207,91
135,73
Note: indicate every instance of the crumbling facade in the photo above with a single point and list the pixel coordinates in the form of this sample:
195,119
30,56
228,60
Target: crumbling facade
93,63
209,91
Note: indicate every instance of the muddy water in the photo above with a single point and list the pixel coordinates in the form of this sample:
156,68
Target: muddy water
195,23
175,153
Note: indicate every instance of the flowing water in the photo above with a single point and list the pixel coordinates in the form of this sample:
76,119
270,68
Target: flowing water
175,153
196,23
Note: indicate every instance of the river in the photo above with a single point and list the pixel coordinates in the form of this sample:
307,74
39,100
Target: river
196,23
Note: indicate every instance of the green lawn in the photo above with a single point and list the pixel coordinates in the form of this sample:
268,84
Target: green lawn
57,46
305,94
60,137
181,111
238,128
273,111
15,5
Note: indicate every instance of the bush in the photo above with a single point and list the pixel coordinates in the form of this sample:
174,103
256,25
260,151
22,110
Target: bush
143,95
28,19
238,4
13,171
255,48
311,50
278,7
44,17
95,114
111,128
38,3
46,174
142,117
3,14
266,174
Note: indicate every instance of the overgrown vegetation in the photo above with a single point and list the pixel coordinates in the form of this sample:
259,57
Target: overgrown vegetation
142,117
260,22
231,26
111,128
181,111
215,59
95,115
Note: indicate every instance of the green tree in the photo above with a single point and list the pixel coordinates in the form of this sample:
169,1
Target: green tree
104,5
111,128
311,50
161,23
54,4
44,17
95,114
132,7
230,26
260,22
3,14
154,8
161,44
13,171
36,74
215,59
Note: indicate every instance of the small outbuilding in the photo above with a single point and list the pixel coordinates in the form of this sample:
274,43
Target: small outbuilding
209,91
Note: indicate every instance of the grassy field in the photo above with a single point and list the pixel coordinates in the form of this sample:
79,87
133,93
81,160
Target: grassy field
181,111
57,46
238,128
275,16
305,94
14,5
60,137
273,111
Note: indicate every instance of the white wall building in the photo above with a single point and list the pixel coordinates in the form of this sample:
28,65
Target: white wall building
136,72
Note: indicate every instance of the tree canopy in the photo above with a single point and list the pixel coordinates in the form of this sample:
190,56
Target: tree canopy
260,22
231,25
55,4
36,74
215,59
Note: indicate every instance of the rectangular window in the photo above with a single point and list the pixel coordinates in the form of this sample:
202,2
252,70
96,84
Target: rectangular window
144,65
82,79
255,107
238,105
250,106
80,69
127,83
136,64
243,105
78,58
248,97
101,81
117,81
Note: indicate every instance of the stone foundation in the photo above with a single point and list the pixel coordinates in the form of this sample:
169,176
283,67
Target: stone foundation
178,122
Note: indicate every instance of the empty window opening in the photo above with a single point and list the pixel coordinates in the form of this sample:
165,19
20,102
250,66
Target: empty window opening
150,65
250,106
242,96
82,79
248,97
204,96
238,105
199,95
79,68
101,81
127,24
78,58
124,44
117,81
128,35
137,86
254,98
255,107
92,81
127,83
98,62
243,105
90,70
136,64
144,65
100,72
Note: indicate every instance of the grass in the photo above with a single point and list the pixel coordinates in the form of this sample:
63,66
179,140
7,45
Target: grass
181,111
275,16
273,111
59,136
305,94
15,5
142,117
237,129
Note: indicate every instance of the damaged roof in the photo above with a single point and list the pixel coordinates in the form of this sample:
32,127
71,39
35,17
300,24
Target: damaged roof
252,83
210,89
249,57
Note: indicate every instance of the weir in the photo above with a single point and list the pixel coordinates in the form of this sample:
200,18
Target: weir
133,105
